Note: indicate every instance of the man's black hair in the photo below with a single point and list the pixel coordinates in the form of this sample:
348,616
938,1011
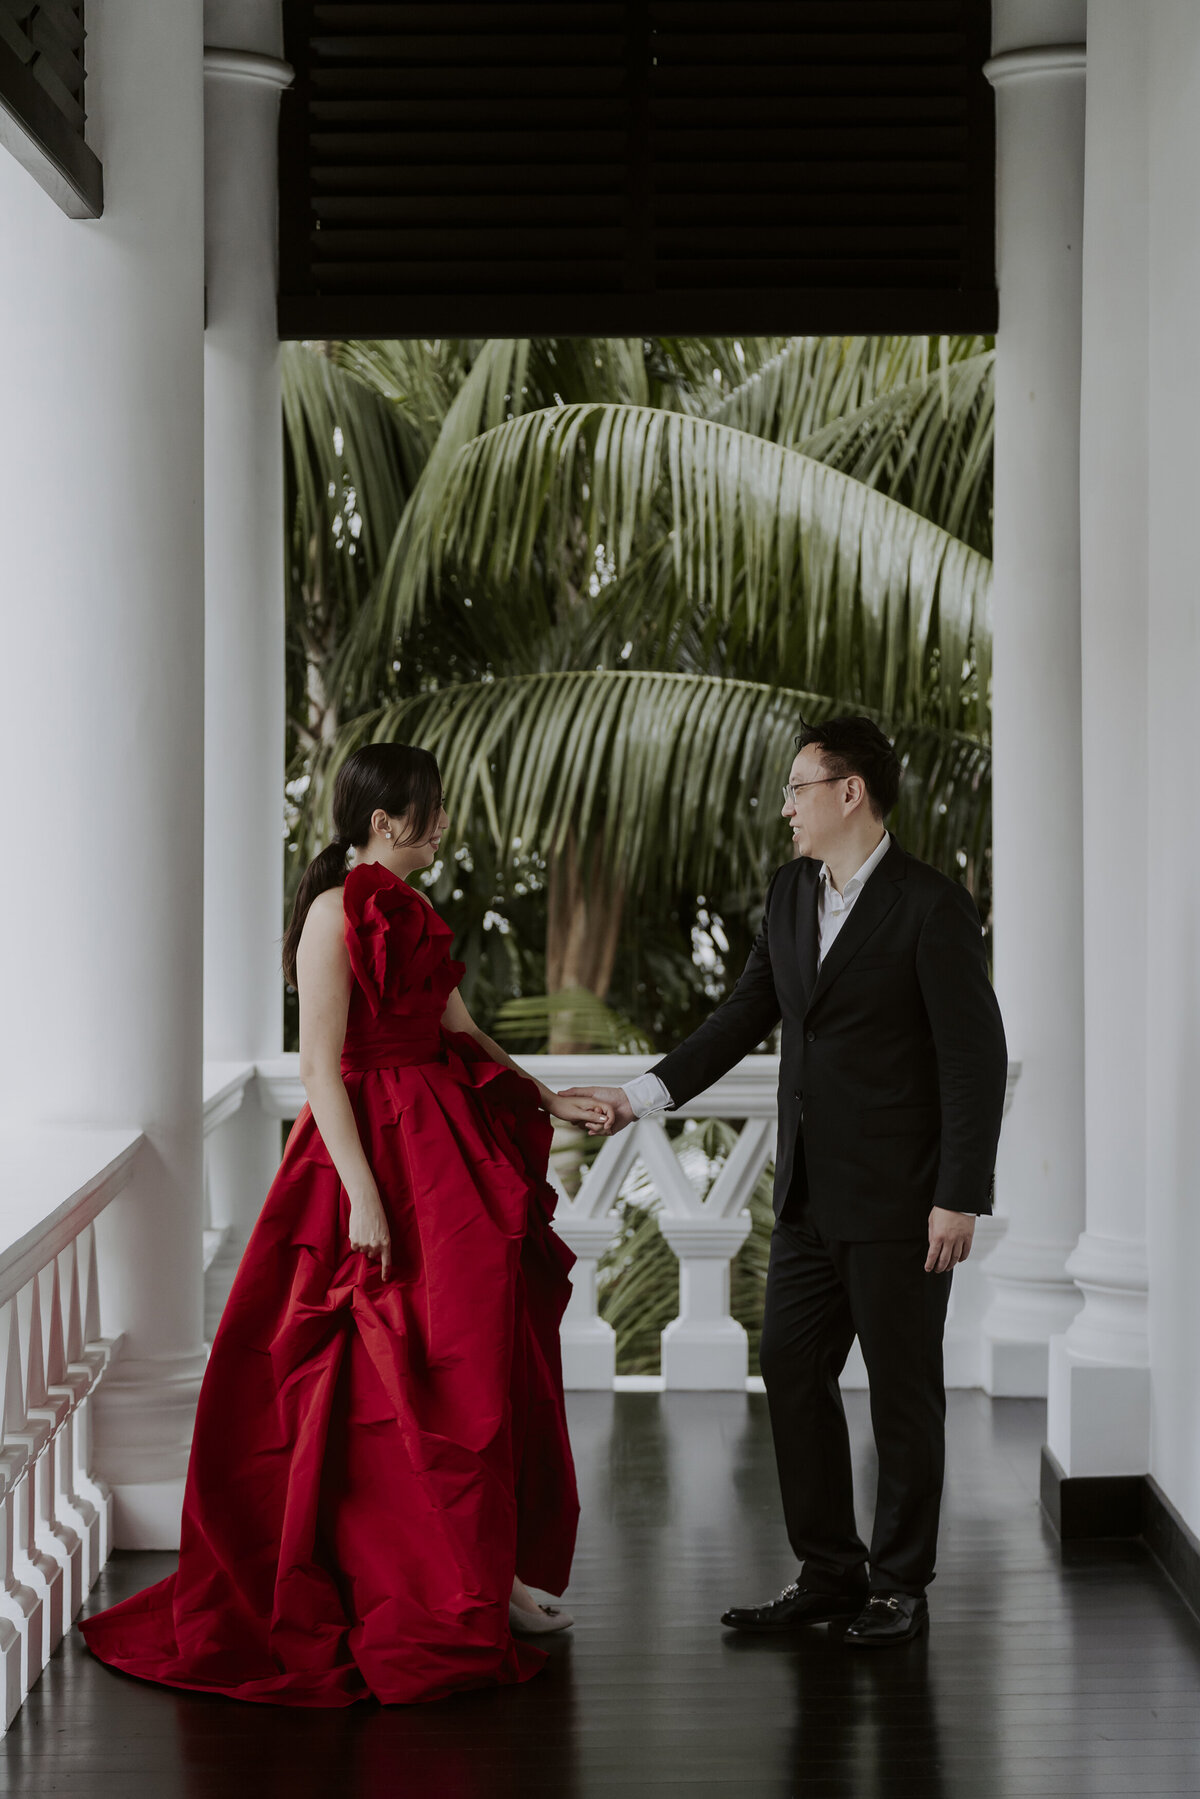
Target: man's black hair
856,746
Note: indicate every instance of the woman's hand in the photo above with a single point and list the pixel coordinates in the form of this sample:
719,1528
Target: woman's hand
613,1100
582,1109
369,1230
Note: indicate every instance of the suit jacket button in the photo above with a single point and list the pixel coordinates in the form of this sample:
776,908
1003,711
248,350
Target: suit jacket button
796,1096
811,1035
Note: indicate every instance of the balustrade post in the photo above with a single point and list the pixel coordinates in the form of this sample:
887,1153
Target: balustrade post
55,1535
37,1560
71,1380
589,1343
20,1602
95,1353
704,1348
14,1618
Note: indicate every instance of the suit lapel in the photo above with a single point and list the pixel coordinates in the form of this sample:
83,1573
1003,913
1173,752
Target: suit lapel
867,913
807,888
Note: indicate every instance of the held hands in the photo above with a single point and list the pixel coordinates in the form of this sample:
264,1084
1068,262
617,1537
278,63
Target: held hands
583,1105
369,1230
950,1235
611,1102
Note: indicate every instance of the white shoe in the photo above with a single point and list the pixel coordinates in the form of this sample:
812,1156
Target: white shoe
547,1618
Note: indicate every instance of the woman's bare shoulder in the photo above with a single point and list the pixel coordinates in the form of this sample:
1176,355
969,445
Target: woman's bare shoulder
325,921
327,904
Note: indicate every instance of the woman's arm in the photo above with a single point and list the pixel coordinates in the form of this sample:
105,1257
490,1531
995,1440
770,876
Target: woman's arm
573,1111
324,980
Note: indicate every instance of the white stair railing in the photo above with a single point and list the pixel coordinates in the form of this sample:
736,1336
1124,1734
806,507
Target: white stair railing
55,1517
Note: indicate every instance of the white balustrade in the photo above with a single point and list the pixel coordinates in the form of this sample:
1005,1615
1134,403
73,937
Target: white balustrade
55,1517
704,1348
227,1087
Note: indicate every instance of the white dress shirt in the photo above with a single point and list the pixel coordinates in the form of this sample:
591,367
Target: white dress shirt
647,1093
834,908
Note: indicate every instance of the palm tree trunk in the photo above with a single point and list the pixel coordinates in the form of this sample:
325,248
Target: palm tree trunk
583,923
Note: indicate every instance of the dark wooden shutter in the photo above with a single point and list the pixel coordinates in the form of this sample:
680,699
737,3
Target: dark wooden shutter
636,166
41,100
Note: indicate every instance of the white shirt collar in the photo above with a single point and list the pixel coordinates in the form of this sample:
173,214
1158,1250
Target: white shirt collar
858,880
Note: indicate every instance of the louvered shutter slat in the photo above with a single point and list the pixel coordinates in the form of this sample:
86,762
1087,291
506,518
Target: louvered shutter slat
772,166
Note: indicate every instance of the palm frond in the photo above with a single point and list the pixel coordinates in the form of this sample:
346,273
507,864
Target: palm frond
341,435
812,382
755,530
484,398
421,379
588,368
697,374
675,776
927,443
526,1023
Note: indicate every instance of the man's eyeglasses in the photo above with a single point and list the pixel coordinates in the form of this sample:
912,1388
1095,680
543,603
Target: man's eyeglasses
792,788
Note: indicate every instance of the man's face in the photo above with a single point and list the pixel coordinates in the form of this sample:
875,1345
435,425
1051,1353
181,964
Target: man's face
816,807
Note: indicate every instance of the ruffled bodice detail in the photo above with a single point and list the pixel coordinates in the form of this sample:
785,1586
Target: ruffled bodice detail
399,949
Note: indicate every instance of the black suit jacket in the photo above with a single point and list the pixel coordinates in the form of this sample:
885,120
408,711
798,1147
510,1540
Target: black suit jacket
893,1062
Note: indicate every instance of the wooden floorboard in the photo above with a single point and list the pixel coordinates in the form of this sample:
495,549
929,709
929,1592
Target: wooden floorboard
1043,1678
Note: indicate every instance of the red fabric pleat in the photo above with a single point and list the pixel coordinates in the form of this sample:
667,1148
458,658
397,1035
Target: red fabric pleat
373,1461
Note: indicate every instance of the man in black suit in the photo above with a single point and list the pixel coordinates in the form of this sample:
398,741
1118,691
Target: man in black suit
891,1090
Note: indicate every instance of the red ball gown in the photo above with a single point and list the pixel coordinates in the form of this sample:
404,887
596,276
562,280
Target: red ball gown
374,1460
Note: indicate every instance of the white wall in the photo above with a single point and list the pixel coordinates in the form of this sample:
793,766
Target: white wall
101,720
1173,798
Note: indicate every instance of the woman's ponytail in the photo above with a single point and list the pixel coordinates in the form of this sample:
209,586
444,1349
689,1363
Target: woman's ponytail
396,778
328,869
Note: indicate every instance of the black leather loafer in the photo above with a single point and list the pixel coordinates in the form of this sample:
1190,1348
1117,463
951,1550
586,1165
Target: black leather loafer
888,1619
795,1607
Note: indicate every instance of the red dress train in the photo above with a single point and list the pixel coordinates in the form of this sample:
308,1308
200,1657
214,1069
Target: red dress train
373,1461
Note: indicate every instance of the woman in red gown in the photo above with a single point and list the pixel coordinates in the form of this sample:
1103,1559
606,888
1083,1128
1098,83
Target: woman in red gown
380,1459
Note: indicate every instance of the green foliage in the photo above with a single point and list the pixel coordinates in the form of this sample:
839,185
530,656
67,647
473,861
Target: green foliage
640,760
638,1285
524,1024
602,579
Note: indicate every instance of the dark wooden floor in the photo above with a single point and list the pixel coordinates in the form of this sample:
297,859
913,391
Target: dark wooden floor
1038,1678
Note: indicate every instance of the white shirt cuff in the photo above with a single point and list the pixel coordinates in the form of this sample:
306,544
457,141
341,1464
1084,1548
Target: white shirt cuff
646,1095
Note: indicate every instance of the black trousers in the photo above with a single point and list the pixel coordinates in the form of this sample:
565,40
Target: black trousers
821,1293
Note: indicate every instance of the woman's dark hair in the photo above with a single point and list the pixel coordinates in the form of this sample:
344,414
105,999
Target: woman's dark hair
391,777
856,746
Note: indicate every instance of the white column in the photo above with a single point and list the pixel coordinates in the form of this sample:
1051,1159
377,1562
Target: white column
101,733
1038,75
1099,1401
244,603
1173,848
